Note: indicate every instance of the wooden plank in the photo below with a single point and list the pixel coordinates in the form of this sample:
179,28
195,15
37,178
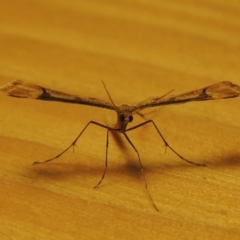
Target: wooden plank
140,49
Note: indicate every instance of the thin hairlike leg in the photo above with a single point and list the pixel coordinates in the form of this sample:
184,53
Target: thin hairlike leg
140,163
74,142
165,142
106,162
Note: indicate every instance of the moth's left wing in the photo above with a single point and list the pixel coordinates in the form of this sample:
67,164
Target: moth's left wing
22,89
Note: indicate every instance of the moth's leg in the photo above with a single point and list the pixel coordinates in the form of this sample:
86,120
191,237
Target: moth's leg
165,142
141,166
74,142
106,161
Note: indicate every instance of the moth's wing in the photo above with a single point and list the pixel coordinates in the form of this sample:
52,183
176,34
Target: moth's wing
220,90
22,89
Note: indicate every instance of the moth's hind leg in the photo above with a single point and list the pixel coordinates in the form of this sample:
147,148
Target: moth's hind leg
166,144
73,144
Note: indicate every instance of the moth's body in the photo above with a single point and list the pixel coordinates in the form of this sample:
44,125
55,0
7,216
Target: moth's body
124,112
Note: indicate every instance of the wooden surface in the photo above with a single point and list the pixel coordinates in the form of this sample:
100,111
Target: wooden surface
140,49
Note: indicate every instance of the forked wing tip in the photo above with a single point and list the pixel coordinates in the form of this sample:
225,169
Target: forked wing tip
8,87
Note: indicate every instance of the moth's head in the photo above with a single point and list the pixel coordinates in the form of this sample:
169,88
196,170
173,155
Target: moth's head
124,117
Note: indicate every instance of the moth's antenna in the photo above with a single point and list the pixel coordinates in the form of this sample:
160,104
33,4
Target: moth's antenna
164,95
142,115
109,96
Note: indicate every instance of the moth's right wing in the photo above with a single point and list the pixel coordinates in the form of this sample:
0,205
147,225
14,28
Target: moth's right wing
22,89
219,90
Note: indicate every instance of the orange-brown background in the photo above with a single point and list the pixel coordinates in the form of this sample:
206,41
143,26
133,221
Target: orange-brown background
140,49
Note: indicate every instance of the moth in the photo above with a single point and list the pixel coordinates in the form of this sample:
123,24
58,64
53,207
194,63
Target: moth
221,90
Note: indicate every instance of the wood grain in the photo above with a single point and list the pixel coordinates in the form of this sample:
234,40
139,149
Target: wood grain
140,49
